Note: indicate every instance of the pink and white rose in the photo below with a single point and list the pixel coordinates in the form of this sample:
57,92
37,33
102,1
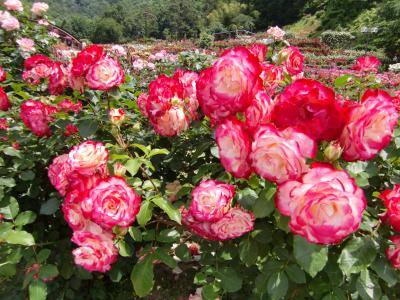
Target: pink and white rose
26,45
88,158
105,74
14,5
39,8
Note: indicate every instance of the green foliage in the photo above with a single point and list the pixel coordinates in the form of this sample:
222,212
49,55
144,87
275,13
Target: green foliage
337,39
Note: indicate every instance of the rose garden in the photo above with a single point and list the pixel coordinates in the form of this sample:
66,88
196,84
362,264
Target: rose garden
241,170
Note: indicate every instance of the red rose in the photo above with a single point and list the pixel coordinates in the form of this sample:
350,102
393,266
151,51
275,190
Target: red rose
85,59
5,103
312,108
3,74
367,64
58,80
259,51
36,116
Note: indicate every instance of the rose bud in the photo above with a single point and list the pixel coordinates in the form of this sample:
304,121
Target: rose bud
117,116
333,151
119,169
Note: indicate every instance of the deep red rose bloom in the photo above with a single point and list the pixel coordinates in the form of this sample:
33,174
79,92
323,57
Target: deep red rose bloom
86,58
4,101
312,108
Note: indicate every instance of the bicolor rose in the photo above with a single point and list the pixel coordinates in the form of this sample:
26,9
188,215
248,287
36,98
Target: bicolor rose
85,59
370,126
367,64
229,85
36,116
96,252
202,229
311,107
259,111
211,200
119,169
293,60
234,147
39,8
173,122
88,158
58,79
112,203
324,206
58,172
233,224
391,199
280,155
5,103
142,103
271,76
37,67
3,74
259,51
67,105
117,116
393,252
73,216
105,74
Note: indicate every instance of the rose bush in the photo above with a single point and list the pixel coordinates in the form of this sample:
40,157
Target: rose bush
227,177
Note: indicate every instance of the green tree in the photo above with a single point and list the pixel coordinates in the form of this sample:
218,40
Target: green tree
107,31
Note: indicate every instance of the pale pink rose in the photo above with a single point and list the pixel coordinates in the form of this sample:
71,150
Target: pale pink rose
324,206
14,5
151,66
229,85
280,155
54,34
26,45
173,122
4,15
43,22
142,102
117,116
234,224
112,203
10,24
138,64
119,169
118,50
39,8
258,113
234,147
393,252
211,200
58,172
105,74
370,126
276,32
96,252
88,158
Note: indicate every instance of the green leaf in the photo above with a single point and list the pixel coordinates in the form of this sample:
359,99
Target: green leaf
168,236
49,207
341,81
142,276
247,198
25,217
8,270
162,254
208,292
88,128
368,287
357,255
261,283
312,258
135,233
133,166
11,210
8,182
145,213
43,255
385,271
124,248
158,152
230,280
37,290
172,212
277,285
48,271
142,147
248,251
19,238
182,251
264,204
10,151
295,274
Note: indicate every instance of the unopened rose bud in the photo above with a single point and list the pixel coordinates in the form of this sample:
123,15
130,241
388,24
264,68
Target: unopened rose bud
194,248
172,188
283,55
333,151
117,116
119,169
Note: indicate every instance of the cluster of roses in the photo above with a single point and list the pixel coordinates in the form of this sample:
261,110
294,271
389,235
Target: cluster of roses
171,103
94,203
91,67
11,23
37,115
211,214
5,103
274,138
391,199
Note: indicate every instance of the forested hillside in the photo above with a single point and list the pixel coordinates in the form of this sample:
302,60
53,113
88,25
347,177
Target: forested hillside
105,21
